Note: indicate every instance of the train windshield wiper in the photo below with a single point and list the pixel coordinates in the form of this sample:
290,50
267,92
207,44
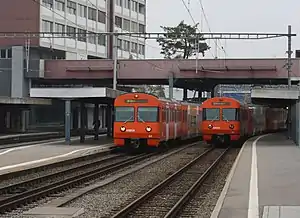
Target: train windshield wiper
224,118
141,119
215,118
128,119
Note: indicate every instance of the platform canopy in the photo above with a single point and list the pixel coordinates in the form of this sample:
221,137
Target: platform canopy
25,101
75,93
274,96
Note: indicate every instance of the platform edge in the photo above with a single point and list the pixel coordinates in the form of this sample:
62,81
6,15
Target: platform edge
222,196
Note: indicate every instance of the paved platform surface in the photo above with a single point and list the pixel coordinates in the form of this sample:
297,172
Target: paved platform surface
264,182
8,136
24,157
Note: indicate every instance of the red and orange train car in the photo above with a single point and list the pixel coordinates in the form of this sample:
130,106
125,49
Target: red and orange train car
144,120
226,120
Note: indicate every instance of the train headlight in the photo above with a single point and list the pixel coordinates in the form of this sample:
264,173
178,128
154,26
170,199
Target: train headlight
210,126
122,128
231,126
148,129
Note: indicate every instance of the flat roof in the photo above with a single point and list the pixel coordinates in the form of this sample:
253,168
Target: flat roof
27,101
82,92
275,93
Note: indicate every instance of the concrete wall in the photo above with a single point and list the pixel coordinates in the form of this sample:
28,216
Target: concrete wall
5,77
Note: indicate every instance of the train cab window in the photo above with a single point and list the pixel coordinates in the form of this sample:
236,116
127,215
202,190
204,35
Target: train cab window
148,114
211,114
230,114
124,114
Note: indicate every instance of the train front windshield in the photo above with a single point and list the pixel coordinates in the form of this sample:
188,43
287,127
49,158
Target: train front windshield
211,114
230,114
124,114
147,114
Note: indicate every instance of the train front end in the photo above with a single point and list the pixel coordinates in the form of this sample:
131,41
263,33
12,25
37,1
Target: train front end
136,123
221,121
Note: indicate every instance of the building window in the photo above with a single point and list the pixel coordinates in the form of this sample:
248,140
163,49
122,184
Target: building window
102,39
127,4
141,28
141,8
81,10
71,6
118,21
126,24
126,45
134,26
119,44
60,5
9,53
92,38
47,26
134,47
81,35
48,3
71,32
3,53
92,14
60,29
142,49
134,6
119,3
102,17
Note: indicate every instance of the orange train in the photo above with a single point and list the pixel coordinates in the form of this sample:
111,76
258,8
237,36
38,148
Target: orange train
226,120
144,120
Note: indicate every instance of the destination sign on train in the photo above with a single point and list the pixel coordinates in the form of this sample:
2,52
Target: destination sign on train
136,101
220,103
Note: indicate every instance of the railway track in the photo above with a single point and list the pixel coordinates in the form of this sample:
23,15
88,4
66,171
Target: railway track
168,198
26,192
13,196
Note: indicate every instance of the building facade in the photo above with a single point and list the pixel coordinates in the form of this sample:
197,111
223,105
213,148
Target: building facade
77,22
76,25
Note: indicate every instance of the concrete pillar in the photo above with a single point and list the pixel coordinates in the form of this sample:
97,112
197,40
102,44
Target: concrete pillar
109,120
185,94
17,72
82,122
297,127
68,121
24,120
171,86
96,121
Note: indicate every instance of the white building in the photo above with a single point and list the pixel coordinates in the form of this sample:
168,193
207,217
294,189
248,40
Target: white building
92,16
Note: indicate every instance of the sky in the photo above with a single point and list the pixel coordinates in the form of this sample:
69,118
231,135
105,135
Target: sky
230,16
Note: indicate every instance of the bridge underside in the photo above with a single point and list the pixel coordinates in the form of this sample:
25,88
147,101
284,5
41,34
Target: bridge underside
274,97
191,84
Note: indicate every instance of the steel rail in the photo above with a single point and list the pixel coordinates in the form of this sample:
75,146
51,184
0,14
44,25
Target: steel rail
136,203
175,210
72,160
12,202
11,188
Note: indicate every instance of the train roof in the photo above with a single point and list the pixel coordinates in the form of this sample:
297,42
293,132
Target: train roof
222,99
160,98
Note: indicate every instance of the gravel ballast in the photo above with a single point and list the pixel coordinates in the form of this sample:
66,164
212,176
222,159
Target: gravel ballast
203,203
105,201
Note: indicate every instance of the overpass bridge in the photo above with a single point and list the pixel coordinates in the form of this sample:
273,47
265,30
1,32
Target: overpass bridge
202,75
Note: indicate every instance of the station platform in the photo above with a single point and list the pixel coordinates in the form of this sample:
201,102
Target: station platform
25,157
264,181
25,137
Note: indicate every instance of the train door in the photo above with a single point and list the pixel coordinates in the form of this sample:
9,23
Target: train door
167,121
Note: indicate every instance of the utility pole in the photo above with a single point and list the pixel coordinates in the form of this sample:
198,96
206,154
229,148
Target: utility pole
115,58
289,70
289,61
